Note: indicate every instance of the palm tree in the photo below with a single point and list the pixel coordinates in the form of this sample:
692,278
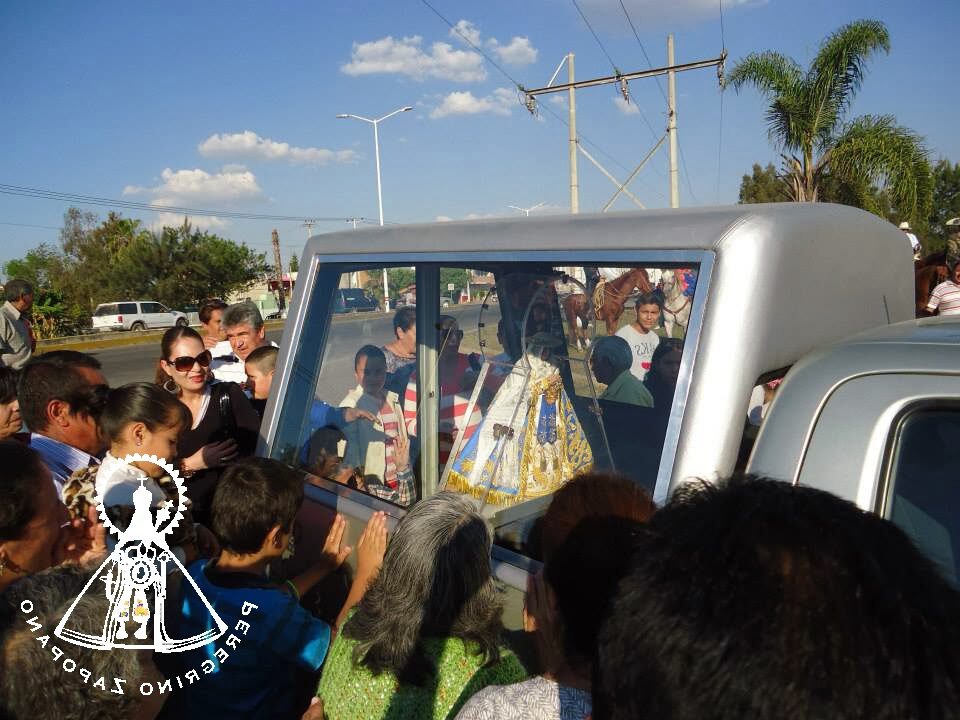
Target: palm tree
806,121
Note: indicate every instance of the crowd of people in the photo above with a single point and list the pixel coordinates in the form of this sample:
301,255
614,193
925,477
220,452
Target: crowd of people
743,598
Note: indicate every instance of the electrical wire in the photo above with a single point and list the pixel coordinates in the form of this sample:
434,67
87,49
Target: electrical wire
616,70
643,49
520,88
28,225
686,175
18,190
468,42
723,46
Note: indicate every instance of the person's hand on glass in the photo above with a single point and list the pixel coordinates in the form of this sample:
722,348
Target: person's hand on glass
401,449
334,552
352,414
371,547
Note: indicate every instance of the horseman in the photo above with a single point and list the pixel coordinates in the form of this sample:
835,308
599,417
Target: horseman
914,242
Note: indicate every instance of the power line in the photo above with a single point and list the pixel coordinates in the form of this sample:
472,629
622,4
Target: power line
38,193
642,48
723,45
686,176
580,135
468,42
616,70
28,225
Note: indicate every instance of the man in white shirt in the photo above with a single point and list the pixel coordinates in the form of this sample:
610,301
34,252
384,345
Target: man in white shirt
243,325
16,340
214,334
914,242
640,335
61,394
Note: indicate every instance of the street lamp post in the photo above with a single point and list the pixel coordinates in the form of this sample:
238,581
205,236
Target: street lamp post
376,147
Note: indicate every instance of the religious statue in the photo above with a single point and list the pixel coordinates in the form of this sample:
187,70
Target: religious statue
530,441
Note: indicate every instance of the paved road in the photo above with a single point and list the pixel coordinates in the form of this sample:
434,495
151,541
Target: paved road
138,363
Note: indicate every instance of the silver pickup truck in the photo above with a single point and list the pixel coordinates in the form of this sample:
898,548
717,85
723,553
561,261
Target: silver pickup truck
876,419
501,400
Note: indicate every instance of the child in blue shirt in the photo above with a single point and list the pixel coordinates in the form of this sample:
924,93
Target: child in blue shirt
272,648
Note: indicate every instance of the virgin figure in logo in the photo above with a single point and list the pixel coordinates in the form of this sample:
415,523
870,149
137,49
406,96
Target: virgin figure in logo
135,580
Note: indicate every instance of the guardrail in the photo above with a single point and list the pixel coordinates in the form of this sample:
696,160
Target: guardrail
114,338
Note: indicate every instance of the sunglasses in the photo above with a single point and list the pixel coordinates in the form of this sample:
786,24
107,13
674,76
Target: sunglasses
185,362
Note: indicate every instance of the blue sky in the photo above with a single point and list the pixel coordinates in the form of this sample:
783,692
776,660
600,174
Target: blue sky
232,105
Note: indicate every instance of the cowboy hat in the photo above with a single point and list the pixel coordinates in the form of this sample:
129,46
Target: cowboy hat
904,225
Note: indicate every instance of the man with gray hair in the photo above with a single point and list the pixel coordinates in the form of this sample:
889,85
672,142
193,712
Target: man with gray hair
610,361
243,324
16,339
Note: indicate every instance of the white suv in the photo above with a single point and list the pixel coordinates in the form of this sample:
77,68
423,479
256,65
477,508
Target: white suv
136,315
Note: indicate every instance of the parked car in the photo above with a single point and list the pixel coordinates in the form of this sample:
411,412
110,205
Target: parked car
136,315
348,300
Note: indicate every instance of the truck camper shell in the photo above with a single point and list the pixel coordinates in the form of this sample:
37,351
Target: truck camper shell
770,283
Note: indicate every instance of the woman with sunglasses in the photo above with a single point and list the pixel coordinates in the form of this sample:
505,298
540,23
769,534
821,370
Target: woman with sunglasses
223,424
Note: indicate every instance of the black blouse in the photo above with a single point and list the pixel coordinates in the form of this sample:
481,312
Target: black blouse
201,485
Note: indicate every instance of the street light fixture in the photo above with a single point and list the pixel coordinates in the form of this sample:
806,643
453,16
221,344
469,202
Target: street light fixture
376,146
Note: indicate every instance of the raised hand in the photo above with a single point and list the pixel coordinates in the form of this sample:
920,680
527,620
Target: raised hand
372,547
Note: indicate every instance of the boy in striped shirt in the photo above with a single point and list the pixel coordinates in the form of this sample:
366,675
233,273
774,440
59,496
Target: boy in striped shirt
381,449
945,298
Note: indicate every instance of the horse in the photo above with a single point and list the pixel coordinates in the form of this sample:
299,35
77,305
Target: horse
613,296
928,272
676,305
577,311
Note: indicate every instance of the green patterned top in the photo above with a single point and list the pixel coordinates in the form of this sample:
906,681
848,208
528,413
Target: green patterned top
349,691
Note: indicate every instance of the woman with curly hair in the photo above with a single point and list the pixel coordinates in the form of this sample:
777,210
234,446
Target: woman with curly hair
426,635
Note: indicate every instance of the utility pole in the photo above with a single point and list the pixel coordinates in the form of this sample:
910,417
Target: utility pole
672,126
574,177
278,266
621,79
308,224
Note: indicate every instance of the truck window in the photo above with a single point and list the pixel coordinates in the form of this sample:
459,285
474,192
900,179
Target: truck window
923,491
128,308
502,396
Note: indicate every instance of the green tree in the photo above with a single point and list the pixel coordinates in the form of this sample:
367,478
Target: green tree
179,266
453,276
294,264
764,185
807,123
42,267
946,201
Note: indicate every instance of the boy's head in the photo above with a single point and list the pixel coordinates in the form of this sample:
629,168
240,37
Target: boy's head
322,450
370,367
648,307
259,367
254,506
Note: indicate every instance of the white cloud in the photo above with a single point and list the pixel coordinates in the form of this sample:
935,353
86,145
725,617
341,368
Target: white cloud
518,51
443,218
627,108
644,13
182,185
465,29
134,189
465,102
406,57
248,144
201,222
